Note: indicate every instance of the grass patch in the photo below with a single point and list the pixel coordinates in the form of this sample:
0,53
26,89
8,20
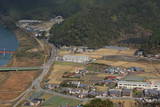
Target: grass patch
96,67
134,77
36,95
68,63
57,101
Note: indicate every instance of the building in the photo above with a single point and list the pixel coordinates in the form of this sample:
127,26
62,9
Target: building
126,92
34,102
76,59
51,86
151,93
142,85
57,20
114,92
140,53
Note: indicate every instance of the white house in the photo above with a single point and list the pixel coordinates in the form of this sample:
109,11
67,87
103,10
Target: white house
143,85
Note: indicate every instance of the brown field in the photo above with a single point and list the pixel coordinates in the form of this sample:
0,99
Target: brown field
102,52
101,88
56,74
16,83
148,67
126,103
5,105
63,52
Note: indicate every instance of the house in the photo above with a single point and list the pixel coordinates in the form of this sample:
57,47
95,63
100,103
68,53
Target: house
83,86
111,77
81,71
140,53
83,94
151,93
102,94
74,83
141,85
92,94
104,82
64,90
51,86
136,69
126,92
36,102
74,91
76,59
116,70
57,20
157,56
114,92
68,75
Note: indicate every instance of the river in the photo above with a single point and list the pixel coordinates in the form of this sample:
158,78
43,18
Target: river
8,42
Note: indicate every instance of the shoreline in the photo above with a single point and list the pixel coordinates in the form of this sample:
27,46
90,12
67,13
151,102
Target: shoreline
11,80
15,42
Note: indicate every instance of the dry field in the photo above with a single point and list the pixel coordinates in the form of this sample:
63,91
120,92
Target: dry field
148,67
58,70
101,88
5,105
102,52
16,83
63,52
126,103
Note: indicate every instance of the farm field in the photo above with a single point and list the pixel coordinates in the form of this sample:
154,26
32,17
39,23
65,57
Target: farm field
16,83
147,66
99,53
60,68
126,103
57,101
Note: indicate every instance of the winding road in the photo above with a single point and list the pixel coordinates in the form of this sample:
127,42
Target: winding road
36,83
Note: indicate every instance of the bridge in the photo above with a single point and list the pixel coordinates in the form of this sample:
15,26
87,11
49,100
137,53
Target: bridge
7,52
20,68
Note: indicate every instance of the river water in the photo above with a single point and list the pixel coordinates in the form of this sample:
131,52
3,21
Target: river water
8,42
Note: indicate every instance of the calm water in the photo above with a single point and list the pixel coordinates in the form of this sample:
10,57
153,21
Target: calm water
8,42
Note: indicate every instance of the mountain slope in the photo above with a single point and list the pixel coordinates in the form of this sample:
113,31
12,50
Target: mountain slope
93,23
135,23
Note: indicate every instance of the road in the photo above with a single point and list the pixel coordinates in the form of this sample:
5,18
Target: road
36,83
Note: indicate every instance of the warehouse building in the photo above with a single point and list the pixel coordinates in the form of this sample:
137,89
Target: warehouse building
76,59
142,85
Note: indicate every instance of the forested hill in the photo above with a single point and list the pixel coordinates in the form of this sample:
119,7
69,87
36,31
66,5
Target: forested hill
41,9
13,10
127,22
93,23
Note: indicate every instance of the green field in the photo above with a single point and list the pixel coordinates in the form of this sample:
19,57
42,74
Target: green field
56,101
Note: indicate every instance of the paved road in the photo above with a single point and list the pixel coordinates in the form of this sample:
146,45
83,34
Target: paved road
36,83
